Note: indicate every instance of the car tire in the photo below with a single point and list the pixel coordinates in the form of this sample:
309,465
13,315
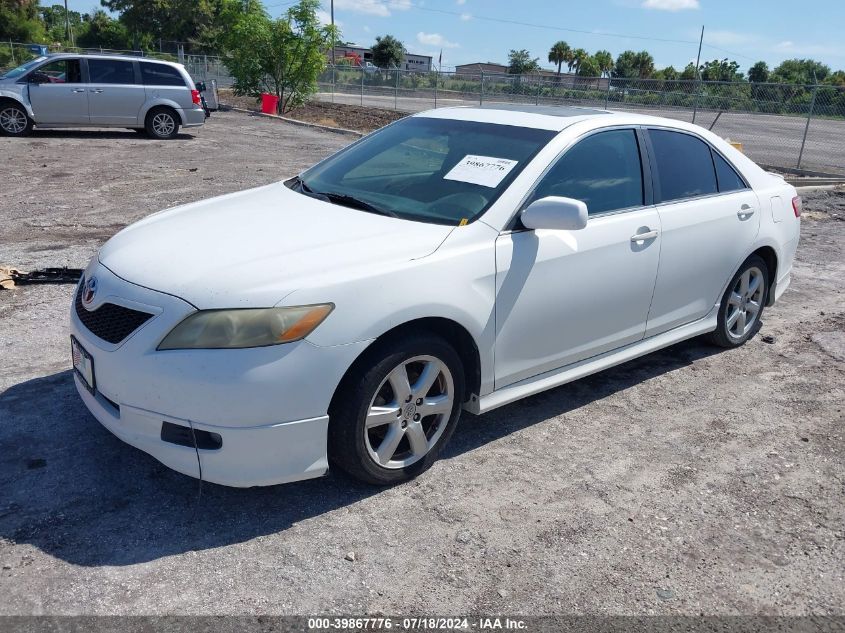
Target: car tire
14,121
741,309
377,434
162,123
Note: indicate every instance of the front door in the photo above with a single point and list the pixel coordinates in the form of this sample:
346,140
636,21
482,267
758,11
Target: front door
115,98
564,296
60,98
709,219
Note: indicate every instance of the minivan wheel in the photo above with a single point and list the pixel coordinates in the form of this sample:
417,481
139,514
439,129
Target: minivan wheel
391,419
14,120
742,304
162,123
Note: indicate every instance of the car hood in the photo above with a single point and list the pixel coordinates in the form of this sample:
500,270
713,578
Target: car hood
254,247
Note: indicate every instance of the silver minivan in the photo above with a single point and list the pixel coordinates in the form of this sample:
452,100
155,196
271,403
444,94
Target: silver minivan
67,90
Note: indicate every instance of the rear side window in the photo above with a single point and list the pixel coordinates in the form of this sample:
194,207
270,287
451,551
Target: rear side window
111,71
684,164
603,170
727,177
161,75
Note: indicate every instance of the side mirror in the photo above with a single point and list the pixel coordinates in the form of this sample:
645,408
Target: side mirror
38,78
554,212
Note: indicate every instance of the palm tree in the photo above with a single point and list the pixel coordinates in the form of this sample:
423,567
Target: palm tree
644,63
578,57
605,62
559,53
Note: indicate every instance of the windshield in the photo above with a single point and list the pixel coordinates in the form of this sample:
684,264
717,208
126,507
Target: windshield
23,69
432,170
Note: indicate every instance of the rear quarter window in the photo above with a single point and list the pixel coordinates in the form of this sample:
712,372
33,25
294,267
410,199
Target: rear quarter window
161,75
726,176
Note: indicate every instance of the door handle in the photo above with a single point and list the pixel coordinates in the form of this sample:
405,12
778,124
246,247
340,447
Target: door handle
745,212
97,90
78,90
642,237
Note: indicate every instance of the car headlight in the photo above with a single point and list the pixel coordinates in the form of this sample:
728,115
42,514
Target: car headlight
247,327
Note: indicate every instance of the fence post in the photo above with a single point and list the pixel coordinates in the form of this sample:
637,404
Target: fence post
607,92
539,87
363,72
481,96
334,69
396,90
695,101
12,49
436,81
807,124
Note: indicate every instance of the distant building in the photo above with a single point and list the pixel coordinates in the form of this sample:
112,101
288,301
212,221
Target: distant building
481,67
411,61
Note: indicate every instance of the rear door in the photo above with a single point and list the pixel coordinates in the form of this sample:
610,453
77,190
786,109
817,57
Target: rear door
162,81
63,98
115,97
709,218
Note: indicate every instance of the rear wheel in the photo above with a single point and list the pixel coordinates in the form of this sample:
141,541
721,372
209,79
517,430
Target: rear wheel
392,417
14,121
162,123
742,304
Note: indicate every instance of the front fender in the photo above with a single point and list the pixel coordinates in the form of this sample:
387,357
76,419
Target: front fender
20,97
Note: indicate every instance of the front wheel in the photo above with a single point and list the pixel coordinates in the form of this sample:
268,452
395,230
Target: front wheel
392,417
162,123
14,121
742,304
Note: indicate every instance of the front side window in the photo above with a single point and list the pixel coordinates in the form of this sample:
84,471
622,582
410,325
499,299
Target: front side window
727,178
160,75
111,71
684,165
427,169
603,170
22,69
62,71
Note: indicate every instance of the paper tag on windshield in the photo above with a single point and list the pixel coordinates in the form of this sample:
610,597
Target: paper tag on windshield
481,170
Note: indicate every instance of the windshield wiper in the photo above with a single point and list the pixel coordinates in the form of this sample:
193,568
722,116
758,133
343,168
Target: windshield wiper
356,203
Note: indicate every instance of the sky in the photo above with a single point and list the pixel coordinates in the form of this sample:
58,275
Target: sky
485,30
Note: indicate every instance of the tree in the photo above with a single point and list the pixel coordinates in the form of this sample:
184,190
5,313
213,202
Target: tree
19,21
800,71
520,62
605,62
759,73
578,57
720,70
667,74
690,72
559,54
172,20
836,79
283,57
645,64
104,32
388,52
589,67
626,65
53,18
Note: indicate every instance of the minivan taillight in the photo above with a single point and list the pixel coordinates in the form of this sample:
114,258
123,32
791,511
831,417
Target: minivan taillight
195,97
796,206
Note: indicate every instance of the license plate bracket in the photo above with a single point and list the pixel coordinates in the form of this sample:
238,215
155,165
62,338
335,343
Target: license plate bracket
83,364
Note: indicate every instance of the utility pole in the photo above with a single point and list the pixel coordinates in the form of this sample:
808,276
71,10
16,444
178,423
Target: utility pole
333,43
67,24
697,74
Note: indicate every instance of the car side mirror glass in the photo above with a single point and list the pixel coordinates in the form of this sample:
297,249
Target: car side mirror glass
38,78
554,212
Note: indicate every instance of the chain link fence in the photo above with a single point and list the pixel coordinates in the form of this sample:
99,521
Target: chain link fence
781,125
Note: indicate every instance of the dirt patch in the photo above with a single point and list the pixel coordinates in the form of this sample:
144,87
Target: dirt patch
340,115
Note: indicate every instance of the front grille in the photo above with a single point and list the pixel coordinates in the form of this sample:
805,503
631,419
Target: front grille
110,322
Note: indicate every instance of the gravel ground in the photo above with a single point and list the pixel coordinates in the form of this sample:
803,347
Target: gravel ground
690,481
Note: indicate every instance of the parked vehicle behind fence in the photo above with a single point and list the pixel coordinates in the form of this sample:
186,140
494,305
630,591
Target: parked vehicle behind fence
69,90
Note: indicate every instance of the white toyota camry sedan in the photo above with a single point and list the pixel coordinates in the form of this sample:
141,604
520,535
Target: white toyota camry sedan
462,258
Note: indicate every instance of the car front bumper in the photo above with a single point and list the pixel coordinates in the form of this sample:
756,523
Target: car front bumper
268,405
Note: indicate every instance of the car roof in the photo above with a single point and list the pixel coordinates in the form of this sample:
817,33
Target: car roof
112,56
554,118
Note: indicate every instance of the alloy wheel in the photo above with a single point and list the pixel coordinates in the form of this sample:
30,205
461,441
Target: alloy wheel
744,303
409,412
163,124
13,120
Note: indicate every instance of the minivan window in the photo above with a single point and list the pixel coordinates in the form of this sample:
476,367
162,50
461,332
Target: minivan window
727,178
22,69
684,164
160,75
603,170
111,71
62,71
